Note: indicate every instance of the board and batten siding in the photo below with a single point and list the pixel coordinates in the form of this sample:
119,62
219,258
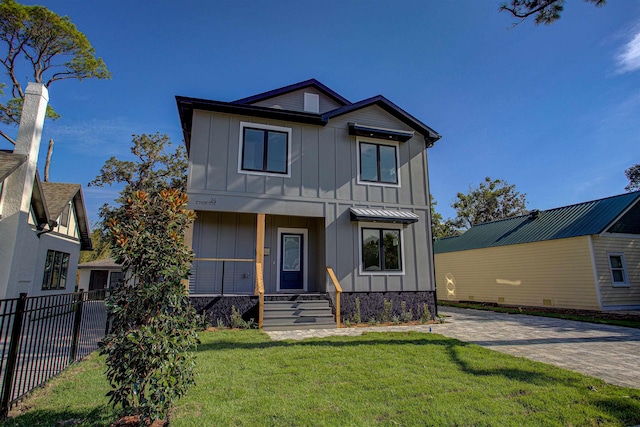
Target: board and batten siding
557,273
618,296
343,254
294,101
324,167
322,187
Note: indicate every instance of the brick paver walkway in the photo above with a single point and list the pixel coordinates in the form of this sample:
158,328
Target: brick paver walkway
611,353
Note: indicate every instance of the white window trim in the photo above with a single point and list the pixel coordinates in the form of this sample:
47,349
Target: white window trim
379,226
626,283
264,127
394,144
305,257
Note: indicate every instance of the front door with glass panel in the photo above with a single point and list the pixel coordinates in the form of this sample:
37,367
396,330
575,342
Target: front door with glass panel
291,262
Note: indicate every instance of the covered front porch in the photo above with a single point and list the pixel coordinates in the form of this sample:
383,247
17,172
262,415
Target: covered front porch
243,260
229,245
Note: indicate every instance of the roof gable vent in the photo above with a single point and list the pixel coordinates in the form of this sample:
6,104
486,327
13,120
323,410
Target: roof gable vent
311,102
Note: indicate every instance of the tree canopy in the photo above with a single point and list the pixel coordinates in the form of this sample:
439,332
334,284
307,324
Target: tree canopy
439,228
45,47
154,169
491,200
546,11
633,175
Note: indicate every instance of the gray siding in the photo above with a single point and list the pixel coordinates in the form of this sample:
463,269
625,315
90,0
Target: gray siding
317,196
324,166
294,101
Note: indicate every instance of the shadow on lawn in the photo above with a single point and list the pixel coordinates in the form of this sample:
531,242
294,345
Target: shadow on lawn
99,416
450,346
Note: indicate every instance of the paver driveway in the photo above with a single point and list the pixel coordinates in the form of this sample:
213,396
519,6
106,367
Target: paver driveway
611,353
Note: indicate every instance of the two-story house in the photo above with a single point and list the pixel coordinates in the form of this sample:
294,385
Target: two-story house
299,179
43,225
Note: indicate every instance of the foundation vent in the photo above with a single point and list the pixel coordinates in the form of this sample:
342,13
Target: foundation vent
500,300
470,297
547,302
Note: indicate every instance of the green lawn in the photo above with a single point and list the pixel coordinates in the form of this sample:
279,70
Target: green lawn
389,379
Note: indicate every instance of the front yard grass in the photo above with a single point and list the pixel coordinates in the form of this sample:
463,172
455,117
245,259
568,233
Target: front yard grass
244,379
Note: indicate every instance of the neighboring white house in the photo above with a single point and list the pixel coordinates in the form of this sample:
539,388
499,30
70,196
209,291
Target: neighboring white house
43,226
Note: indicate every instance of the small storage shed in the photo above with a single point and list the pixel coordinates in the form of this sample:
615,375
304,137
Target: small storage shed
99,274
583,256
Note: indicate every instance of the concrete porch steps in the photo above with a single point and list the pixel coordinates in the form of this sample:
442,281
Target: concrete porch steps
298,314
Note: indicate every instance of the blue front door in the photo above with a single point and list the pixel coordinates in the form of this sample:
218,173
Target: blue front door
291,261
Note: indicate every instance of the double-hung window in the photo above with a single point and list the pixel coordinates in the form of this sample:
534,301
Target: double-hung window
264,149
381,250
378,163
55,270
618,270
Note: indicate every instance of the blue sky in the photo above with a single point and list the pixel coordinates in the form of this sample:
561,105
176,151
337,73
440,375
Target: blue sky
552,109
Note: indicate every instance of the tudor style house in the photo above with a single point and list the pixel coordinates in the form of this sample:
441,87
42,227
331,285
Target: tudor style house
297,183
43,225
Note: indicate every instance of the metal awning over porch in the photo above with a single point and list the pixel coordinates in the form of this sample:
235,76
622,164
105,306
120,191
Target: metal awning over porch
383,215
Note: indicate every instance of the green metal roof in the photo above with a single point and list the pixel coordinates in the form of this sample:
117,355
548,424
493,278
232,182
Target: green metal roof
583,219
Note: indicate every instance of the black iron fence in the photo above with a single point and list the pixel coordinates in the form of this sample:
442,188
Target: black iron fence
41,336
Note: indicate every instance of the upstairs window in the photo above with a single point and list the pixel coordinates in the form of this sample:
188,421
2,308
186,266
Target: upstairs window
378,163
264,149
618,270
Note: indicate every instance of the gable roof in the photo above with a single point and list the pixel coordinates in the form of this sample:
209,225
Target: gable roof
593,217
243,106
290,88
9,162
57,195
391,108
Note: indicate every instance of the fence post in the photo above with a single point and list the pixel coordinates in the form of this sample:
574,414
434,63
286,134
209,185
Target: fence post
12,356
76,326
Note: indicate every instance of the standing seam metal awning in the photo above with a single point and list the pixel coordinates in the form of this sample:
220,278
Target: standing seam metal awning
380,215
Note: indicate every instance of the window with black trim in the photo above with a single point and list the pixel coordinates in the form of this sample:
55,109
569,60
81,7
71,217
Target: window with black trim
55,270
381,249
265,150
378,163
618,270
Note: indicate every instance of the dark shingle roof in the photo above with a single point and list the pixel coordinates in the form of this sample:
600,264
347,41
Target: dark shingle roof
57,195
105,263
9,162
582,219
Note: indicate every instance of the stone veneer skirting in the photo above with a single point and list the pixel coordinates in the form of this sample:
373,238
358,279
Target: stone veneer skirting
213,308
372,303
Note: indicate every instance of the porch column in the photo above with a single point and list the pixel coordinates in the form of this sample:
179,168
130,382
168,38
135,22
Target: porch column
260,218
260,238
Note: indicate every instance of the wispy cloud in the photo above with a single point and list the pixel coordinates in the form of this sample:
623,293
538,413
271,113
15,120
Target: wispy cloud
97,137
629,58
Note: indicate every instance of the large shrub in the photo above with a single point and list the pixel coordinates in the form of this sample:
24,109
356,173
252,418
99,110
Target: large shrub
149,360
